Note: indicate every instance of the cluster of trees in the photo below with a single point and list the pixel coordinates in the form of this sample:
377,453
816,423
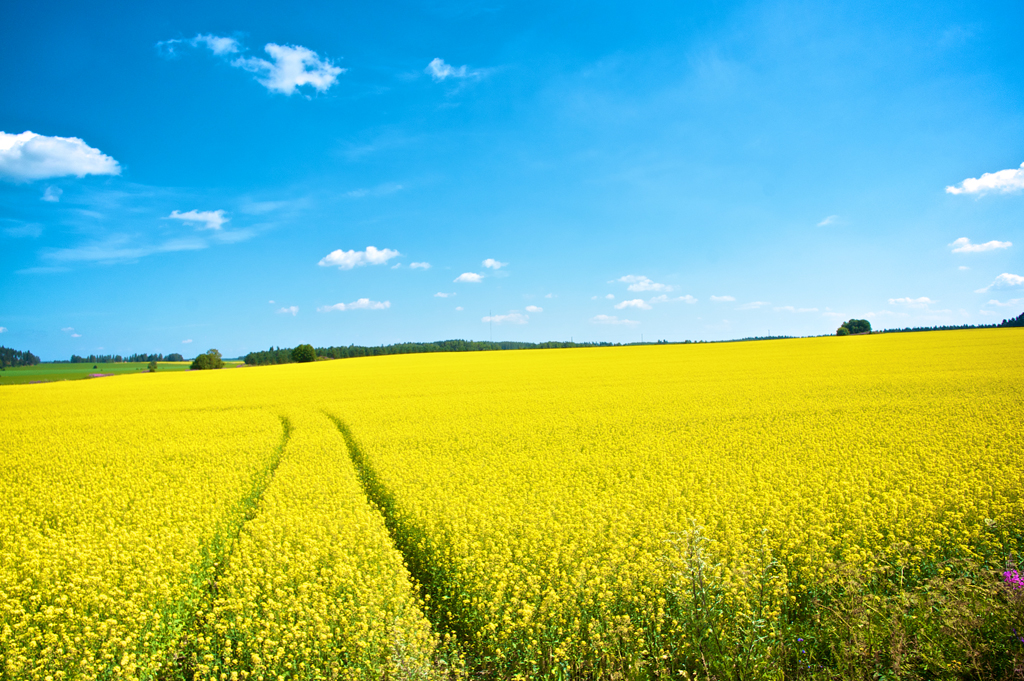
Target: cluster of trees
286,356
1016,321
10,357
853,326
210,359
141,357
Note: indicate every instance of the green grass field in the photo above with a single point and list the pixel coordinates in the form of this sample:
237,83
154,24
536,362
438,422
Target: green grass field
46,372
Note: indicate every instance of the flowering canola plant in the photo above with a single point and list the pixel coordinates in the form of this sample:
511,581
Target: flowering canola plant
631,512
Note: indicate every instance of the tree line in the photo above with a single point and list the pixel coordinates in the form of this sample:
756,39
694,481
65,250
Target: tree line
141,357
9,357
278,355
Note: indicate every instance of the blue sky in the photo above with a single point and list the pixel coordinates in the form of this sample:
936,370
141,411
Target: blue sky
214,175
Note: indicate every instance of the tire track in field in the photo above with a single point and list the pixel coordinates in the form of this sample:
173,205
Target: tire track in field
432,579
216,556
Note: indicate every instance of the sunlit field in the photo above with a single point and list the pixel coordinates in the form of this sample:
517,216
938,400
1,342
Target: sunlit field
65,371
814,508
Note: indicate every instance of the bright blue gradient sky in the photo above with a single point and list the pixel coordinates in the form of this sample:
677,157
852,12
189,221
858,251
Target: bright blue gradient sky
742,167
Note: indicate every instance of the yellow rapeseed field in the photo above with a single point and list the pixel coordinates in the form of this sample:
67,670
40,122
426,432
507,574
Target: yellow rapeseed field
820,508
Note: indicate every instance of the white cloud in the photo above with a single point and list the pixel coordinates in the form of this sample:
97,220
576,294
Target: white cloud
1003,181
1004,280
28,156
346,260
209,219
441,294
552,295
494,264
361,304
688,299
754,305
830,220
534,308
3,329
469,278
68,329
790,308
1008,303
915,303
611,319
964,245
723,299
458,309
52,194
510,318
636,302
292,67
270,302
641,283
610,296
439,70
963,268
186,341
293,310
219,45
76,335
419,265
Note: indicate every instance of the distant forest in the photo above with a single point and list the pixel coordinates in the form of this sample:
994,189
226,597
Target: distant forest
109,359
1006,323
284,355
16,358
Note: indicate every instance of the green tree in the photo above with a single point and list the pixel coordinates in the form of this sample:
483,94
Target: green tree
854,326
304,353
210,359
152,366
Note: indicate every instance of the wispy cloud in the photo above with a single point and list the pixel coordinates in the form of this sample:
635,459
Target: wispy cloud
379,190
219,45
612,319
723,299
1003,181
441,294
27,156
688,299
70,330
1009,303
757,304
638,282
290,67
493,264
346,260
440,71
963,268
3,329
964,245
830,220
510,318
186,341
419,265
52,194
534,308
790,308
292,310
119,248
361,304
635,303
22,229
469,278
1004,280
914,303
207,219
